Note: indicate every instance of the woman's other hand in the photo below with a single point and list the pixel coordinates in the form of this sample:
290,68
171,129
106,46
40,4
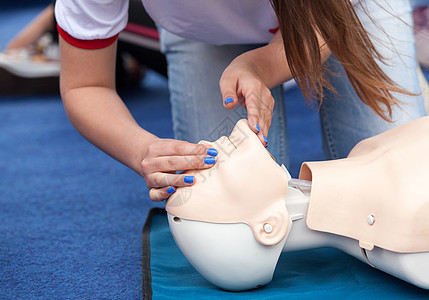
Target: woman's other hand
166,156
248,79
240,85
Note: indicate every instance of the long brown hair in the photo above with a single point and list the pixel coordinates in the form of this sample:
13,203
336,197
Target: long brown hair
337,23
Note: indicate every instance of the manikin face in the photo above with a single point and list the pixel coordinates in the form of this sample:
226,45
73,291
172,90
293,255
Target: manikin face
232,224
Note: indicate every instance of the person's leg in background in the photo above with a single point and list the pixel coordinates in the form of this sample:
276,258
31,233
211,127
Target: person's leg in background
421,33
421,30
194,70
425,88
345,119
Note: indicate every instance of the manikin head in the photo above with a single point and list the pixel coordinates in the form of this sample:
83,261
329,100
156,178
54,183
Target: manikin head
232,224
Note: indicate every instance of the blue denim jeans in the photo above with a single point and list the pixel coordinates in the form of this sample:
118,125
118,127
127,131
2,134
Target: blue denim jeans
194,70
345,120
419,3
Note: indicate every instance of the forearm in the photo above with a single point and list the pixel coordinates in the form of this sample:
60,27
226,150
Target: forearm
93,106
269,62
34,30
102,118
95,109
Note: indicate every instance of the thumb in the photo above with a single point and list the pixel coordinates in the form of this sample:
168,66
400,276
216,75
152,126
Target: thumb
229,93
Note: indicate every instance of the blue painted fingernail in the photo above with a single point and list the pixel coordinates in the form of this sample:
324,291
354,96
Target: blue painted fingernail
257,127
266,141
189,179
209,160
228,100
212,151
171,190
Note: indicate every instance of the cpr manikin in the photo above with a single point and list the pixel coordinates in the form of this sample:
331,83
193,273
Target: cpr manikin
240,215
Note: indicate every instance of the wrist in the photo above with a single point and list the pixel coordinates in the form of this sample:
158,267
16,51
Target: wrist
147,140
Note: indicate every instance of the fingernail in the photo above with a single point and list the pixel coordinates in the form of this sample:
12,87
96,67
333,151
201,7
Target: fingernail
228,100
212,151
209,160
266,141
171,190
257,127
189,179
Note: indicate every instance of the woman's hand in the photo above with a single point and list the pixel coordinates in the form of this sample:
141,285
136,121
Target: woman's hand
97,112
165,156
248,79
240,84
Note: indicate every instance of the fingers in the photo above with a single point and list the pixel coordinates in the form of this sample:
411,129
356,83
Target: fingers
162,180
161,194
177,163
166,147
259,113
162,184
166,184
164,157
228,88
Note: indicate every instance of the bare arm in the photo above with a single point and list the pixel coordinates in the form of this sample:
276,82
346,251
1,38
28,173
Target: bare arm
29,35
94,107
269,62
97,112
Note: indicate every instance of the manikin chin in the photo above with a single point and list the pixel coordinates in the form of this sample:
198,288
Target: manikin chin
240,215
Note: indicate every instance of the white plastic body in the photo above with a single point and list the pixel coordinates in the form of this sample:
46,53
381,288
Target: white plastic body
228,256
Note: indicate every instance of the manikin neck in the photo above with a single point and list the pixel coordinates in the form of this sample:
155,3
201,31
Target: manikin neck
300,236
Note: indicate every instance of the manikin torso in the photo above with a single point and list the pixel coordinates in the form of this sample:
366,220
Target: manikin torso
234,223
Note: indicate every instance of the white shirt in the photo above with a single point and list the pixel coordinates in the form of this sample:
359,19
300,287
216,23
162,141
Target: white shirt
213,21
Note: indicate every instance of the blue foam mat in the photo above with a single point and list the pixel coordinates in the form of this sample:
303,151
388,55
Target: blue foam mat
312,274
